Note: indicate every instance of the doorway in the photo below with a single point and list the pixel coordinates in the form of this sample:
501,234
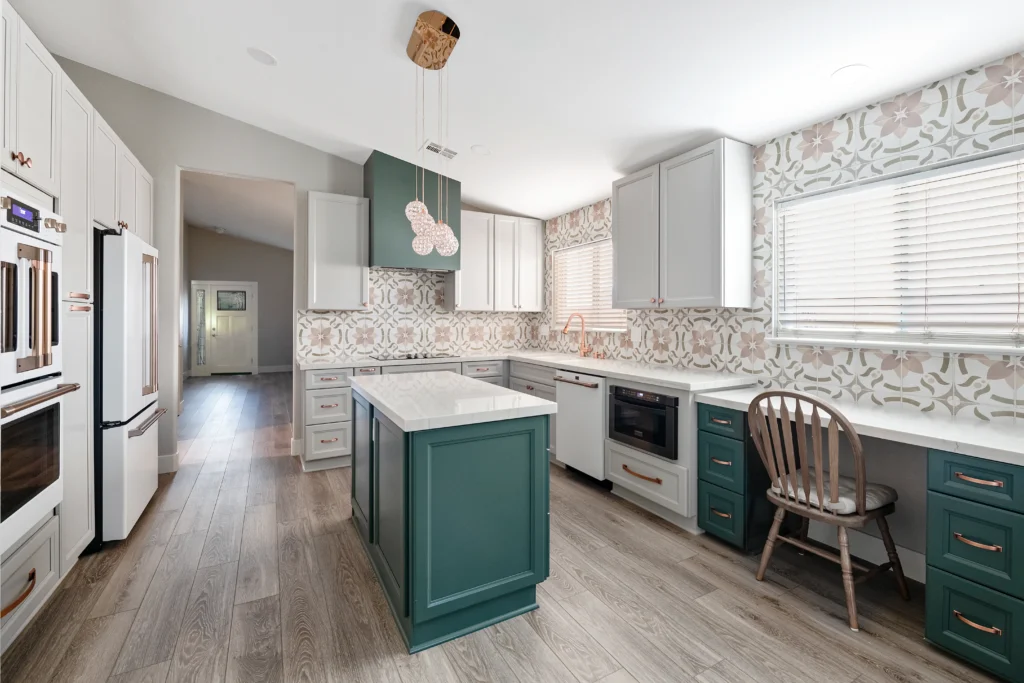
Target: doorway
225,316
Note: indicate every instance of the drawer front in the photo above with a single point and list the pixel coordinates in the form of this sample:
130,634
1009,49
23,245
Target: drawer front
359,372
524,386
423,367
662,484
977,623
532,373
40,553
984,481
328,405
327,441
978,542
327,379
491,380
722,421
721,461
488,369
721,512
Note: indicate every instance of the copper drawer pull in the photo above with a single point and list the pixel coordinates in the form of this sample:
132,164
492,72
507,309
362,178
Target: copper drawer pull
983,482
329,440
653,480
328,379
974,544
529,387
482,369
80,309
720,421
329,405
721,514
77,295
367,370
987,629
21,598
726,463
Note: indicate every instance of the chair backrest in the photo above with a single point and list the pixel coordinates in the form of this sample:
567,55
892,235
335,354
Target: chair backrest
786,454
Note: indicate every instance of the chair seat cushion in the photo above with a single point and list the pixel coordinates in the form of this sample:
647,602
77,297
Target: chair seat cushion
875,495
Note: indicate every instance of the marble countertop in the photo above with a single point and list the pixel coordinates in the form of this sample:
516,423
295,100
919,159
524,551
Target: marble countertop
964,433
657,375
416,401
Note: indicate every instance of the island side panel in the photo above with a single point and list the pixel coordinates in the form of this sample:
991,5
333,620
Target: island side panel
362,467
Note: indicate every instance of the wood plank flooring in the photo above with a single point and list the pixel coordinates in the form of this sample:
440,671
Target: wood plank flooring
245,569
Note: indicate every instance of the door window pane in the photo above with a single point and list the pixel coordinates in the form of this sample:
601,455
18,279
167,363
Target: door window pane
229,300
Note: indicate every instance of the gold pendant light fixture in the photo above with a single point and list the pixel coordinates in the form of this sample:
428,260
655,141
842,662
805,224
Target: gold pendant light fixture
433,38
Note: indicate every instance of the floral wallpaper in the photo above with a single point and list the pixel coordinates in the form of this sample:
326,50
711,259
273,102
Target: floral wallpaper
973,112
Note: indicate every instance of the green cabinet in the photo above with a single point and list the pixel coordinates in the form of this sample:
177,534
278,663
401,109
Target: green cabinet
362,466
390,521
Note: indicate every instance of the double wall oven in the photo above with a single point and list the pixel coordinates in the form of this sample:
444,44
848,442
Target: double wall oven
30,362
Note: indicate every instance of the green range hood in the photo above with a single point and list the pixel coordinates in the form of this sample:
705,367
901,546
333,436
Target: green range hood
390,184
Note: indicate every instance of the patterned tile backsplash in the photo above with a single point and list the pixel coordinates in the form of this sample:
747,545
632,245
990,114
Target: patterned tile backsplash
974,112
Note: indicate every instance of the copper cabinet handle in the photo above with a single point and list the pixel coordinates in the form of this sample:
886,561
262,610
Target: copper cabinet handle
12,408
21,159
983,482
588,385
328,379
652,300
21,598
661,301
77,295
726,463
330,405
366,370
721,514
653,480
83,309
987,629
974,544
365,303
720,421
329,440
530,387
482,369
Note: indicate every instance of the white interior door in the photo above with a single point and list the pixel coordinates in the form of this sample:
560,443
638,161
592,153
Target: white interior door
225,323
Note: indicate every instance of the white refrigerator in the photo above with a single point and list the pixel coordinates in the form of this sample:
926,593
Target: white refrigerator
127,393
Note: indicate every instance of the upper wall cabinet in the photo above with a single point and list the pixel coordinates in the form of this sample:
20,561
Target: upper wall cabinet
143,205
75,140
337,262
32,95
471,288
105,150
682,231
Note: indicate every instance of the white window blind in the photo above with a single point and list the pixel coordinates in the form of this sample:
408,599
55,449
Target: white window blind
583,284
932,257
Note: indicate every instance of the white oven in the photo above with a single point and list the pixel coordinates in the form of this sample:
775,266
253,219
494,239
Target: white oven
30,269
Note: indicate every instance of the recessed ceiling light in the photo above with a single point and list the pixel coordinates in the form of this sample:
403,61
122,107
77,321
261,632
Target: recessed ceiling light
851,73
262,56
481,150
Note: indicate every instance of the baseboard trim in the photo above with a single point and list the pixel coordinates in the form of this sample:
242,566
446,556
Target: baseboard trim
326,463
275,368
685,523
871,548
296,446
167,463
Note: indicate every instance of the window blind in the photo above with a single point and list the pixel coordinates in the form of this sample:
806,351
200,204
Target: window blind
932,257
583,284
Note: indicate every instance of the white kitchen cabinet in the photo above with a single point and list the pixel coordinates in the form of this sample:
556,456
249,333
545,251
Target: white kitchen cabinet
144,204
518,264
539,381
105,146
78,506
32,95
338,258
703,237
127,181
75,138
471,288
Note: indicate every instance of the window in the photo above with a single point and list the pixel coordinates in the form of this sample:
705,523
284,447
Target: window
932,257
583,284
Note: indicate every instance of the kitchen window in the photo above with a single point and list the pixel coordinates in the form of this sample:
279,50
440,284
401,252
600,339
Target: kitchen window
583,284
934,257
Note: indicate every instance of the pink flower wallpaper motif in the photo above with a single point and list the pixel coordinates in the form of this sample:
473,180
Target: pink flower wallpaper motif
1004,82
817,140
901,114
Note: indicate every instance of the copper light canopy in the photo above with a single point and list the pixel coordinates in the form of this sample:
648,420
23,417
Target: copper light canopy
433,39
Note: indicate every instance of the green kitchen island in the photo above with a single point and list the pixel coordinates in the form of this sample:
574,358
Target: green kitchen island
450,497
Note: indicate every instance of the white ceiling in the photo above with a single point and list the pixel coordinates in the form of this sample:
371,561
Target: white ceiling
568,94
258,210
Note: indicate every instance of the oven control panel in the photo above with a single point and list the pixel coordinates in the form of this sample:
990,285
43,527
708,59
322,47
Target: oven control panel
645,396
21,214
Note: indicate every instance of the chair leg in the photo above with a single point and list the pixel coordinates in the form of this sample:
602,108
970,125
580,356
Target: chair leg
897,568
851,598
769,545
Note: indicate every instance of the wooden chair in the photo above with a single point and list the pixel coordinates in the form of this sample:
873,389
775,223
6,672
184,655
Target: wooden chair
799,484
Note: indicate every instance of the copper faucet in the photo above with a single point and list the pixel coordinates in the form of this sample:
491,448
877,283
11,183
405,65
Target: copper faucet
584,348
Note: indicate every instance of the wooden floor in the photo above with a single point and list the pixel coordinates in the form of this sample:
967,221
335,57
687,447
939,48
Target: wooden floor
244,569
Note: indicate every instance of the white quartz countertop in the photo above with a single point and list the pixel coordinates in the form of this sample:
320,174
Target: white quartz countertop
416,401
964,433
657,375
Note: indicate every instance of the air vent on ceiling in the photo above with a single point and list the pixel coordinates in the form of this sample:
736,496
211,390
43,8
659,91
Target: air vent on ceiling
438,148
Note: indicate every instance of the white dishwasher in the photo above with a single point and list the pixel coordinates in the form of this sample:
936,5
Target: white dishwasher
582,421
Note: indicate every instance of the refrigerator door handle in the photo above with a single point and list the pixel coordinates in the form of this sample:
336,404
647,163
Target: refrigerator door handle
144,427
151,382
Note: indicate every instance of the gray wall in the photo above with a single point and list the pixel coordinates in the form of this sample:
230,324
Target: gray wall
168,134
222,257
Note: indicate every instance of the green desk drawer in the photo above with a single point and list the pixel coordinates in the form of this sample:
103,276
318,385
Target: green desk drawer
722,421
977,623
721,461
721,512
983,481
978,542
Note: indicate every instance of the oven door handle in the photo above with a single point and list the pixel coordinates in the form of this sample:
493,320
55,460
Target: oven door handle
144,427
14,408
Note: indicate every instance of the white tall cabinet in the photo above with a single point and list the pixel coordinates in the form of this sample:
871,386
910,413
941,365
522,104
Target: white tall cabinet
681,231
472,287
338,259
75,141
105,145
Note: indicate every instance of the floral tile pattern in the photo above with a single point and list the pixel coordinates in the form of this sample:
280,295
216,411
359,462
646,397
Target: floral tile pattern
970,113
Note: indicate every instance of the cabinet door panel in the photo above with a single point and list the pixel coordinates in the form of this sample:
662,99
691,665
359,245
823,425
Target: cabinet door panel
75,134
475,279
362,464
338,274
530,257
104,173
389,520
505,295
126,180
77,509
8,40
144,205
635,240
37,111
691,230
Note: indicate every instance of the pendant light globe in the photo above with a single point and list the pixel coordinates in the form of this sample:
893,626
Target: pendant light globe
422,245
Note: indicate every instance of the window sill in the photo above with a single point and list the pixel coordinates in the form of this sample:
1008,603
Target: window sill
898,345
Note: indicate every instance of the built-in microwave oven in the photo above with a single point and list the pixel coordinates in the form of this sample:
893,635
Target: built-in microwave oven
644,420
